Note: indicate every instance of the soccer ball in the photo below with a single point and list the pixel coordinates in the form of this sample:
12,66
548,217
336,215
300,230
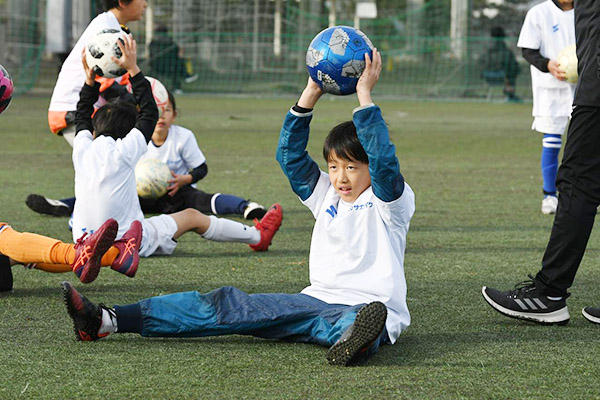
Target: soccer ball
6,89
160,94
567,61
151,176
336,58
99,51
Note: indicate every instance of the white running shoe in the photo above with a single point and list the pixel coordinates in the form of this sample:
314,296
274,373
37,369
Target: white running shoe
549,205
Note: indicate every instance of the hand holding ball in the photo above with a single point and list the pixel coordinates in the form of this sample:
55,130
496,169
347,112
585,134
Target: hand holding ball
100,50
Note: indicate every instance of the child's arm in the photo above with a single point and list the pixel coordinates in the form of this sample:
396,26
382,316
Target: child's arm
142,91
194,160
386,180
87,97
302,172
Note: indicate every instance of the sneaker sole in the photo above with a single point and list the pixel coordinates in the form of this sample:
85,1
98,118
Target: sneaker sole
69,301
558,317
367,327
102,246
590,317
40,205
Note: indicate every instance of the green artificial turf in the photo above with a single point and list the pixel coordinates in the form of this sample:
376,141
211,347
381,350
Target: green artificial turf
475,172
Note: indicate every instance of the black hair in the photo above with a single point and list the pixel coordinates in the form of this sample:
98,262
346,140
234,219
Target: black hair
115,119
497,32
109,4
172,100
343,141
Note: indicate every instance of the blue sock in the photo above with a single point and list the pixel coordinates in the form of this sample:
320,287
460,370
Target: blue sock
227,204
550,149
70,202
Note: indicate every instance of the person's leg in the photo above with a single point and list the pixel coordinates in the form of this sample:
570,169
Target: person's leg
6,276
228,310
551,144
44,205
578,181
220,203
543,299
213,228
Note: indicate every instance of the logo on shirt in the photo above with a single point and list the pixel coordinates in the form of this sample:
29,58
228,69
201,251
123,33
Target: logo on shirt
331,211
555,28
358,207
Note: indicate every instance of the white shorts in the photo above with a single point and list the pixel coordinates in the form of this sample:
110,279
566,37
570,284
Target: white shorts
553,125
157,235
552,109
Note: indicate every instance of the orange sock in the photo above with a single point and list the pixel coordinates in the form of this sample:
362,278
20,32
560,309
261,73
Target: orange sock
107,261
29,248
109,257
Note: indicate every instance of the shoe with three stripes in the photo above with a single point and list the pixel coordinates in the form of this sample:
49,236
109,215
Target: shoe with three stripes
526,302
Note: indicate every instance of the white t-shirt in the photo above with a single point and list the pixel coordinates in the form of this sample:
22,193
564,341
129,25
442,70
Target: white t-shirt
105,181
550,30
357,251
72,76
180,151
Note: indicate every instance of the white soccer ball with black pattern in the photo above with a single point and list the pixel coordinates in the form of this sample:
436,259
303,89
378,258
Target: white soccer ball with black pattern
151,178
99,52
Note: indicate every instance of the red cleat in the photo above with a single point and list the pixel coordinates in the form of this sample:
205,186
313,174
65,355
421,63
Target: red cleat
268,226
89,251
129,247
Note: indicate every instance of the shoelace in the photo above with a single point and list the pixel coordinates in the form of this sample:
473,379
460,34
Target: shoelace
521,289
81,240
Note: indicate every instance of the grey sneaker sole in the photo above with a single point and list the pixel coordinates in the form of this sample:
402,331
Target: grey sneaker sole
558,317
367,327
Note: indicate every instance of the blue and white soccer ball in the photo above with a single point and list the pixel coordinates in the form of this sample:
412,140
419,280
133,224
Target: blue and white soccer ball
336,58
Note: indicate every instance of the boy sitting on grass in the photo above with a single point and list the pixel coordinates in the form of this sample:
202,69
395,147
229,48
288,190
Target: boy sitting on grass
357,297
105,152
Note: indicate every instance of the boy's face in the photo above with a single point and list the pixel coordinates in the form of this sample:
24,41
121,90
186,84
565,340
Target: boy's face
166,119
349,178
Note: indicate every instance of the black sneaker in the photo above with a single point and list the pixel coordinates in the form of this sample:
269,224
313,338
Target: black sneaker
86,316
525,302
254,211
6,276
354,344
592,314
44,205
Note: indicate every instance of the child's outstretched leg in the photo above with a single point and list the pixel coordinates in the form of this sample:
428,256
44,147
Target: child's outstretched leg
224,230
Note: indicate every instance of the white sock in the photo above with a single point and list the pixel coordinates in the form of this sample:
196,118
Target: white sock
109,322
226,230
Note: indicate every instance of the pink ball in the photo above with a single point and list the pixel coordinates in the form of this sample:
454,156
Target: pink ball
6,88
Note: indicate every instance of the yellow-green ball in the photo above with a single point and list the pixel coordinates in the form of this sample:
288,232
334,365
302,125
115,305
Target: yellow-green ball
151,178
567,61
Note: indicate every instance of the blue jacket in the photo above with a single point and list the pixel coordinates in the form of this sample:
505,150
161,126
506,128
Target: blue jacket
303,172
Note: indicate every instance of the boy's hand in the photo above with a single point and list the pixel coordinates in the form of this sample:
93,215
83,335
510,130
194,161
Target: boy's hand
369,78
177,182
555,70
128,60
90,75
310,95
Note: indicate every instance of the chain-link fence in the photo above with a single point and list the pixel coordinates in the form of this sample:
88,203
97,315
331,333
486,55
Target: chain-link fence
259,46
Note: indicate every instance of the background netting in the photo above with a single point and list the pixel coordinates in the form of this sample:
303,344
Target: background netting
231,46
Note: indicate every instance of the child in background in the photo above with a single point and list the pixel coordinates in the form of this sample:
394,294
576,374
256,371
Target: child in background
177,147
105,152
357,297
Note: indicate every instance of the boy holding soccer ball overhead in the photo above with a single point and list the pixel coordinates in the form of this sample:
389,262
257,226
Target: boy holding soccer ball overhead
105,152
357,297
